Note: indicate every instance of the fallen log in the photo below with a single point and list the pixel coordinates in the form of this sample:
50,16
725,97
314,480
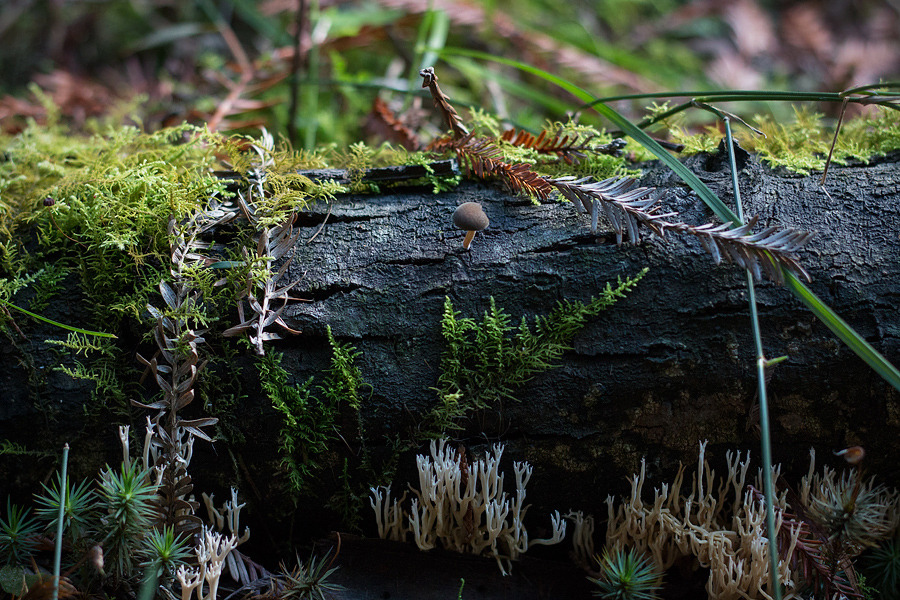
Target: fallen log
669,365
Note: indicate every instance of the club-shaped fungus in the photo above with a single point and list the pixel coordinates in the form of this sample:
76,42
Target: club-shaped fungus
470,217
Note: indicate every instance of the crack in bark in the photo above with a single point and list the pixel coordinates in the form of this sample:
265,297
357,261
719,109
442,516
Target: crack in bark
320,294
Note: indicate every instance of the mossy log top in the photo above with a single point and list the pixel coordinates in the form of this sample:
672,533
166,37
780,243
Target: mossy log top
671,364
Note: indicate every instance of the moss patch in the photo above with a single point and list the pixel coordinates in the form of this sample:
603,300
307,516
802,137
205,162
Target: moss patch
802,145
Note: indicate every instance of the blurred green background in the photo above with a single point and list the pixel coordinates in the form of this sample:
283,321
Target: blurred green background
311,69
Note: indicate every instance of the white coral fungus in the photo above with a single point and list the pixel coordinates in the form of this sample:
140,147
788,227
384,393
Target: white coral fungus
463,507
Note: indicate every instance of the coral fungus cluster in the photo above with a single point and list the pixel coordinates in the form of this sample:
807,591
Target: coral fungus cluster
463,507
721,523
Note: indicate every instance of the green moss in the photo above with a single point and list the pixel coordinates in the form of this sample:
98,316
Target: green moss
309,423
438,183
13,449
343,378
221,390
802,145
100,362
485,363
97,208
306,422
597,165
111,198
9,287
484,123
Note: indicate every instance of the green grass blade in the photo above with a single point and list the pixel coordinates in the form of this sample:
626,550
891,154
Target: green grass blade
250,12
841,329
52,322
822,311
60,522
437,38
523,91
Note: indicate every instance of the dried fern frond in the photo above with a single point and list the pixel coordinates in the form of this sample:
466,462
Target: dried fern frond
768,250
626,206
261,291
481,157
383,122
175,368
442,102
570,148
810,560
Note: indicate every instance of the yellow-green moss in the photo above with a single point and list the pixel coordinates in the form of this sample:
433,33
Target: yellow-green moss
802,145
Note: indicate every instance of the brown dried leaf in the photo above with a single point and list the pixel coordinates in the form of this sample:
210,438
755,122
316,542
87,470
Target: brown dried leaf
382,123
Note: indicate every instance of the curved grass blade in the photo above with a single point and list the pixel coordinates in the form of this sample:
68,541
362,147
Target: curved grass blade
841,329
52,322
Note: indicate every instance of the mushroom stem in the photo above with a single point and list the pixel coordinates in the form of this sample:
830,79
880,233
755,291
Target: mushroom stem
470,235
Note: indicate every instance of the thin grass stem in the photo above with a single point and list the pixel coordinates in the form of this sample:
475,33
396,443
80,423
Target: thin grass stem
886,100
873,86
297,64
149,584
768,487
311,87
837,130
57,550
55,323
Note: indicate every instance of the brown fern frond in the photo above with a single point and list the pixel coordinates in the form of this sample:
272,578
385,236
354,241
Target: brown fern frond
808,558
482,157
175,505
43,588
383,122
570,148
444,143
477,155
245,570
261,293
520,178
626,206
175,368
442,102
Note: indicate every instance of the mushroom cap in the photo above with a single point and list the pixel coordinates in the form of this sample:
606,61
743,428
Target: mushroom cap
470,216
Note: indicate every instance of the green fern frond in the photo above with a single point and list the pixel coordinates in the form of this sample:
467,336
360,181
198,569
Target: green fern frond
485,363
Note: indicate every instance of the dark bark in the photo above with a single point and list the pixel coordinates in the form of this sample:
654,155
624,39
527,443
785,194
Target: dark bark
668,366
671,364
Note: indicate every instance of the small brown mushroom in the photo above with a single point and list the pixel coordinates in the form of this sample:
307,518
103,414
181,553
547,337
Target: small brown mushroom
470,217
